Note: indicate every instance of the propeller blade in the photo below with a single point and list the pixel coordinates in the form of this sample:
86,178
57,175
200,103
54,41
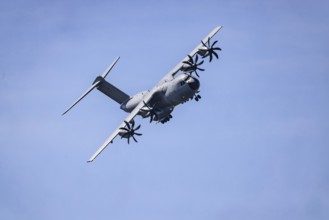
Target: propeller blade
214,43
190,58
132,125
125,129
188,63
200,63
81,97
205,45
196,58
138,127
187,77
151,111
210,56
216,55
128,125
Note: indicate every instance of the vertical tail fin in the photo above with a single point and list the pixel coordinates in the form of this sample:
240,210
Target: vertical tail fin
112,92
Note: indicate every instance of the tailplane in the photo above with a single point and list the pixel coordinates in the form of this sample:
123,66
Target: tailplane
102,85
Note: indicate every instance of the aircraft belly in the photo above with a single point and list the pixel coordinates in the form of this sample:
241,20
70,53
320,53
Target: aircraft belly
181,95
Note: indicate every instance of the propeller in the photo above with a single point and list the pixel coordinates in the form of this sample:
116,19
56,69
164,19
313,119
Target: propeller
193,65
130,130
209,50
151,112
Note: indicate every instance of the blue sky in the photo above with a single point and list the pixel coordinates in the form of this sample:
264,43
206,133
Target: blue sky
254,147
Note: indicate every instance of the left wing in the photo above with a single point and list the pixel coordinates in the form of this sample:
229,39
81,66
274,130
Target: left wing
174,71
123,124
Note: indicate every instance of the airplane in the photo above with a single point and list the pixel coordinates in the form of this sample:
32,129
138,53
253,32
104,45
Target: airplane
159,102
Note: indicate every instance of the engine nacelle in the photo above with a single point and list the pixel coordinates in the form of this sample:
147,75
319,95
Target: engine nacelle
203,51
124,134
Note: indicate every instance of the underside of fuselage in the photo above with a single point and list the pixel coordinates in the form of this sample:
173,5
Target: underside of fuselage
168,95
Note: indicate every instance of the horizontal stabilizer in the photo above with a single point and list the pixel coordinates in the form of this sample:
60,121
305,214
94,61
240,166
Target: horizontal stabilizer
110,68
79,99
99,80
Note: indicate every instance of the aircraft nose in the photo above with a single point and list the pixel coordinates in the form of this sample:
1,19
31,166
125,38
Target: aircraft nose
193,83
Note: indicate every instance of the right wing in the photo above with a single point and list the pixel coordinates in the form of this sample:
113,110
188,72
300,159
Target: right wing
174,71
123,124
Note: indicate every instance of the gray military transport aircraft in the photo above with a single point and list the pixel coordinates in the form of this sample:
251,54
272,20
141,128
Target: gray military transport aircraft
157,103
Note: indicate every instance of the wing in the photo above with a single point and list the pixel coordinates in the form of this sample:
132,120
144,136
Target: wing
174,71
116,132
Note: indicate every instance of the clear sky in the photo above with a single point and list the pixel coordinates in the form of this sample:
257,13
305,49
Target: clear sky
255,147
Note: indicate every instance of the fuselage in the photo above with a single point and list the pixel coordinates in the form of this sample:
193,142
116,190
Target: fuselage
167,95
